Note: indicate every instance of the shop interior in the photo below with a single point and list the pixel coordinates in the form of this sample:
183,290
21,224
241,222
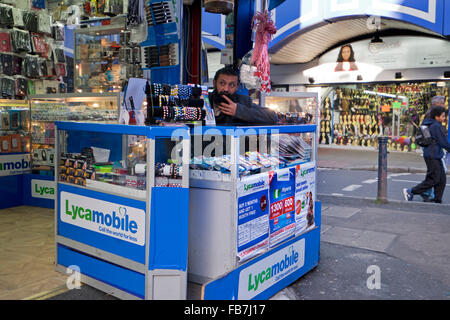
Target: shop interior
355,115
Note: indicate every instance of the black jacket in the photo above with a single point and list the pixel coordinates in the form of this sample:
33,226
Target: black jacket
247,112
434,150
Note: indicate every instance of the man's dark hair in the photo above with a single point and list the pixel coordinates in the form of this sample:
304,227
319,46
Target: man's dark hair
229,71
436,111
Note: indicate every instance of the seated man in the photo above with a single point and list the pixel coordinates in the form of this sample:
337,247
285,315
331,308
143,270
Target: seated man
230,107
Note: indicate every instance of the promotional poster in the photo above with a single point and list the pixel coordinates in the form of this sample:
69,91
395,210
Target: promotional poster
305,197
253,216
282,205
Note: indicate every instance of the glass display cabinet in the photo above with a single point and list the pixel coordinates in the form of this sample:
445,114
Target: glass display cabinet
252,190
14,126
122,207
46,109
97,63
294,107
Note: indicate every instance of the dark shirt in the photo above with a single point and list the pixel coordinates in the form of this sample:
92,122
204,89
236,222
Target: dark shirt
434,150
247,112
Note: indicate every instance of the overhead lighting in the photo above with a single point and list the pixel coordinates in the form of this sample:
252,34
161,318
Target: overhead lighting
311,80
376,43
398,75
359,77
447,74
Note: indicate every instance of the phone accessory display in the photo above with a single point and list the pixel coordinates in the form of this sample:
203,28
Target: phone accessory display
30,67
6,16
5,41
58,32
40,45
21,86
18,17
7,61
160,56
21,40
159,13
44,23
8,87
31,21
58,55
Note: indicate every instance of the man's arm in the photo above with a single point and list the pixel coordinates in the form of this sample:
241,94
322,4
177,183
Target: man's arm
250,112
438,134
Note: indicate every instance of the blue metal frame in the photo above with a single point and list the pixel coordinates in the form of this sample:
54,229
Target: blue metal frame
227,287
243,131
165,230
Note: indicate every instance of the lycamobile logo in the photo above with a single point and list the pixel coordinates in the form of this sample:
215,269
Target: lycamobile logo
307,171
15,165
254,280
253,185
114,220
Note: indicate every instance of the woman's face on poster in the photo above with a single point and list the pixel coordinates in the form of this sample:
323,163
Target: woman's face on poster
346,53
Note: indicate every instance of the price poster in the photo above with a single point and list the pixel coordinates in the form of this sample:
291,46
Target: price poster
305,197
253,216
282,205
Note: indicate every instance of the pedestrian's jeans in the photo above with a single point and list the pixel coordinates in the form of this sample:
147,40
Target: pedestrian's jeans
436,177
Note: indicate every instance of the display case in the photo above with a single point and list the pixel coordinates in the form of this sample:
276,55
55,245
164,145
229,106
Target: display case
294,107
14,127
116,218
46,109
252,202
104,58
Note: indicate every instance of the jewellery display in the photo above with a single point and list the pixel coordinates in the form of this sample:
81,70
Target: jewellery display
176,103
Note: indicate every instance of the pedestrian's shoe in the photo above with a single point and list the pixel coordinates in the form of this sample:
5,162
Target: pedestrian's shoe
428,196
408,194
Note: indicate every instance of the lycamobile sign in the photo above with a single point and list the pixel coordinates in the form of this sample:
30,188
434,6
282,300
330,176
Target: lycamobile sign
14,164
114,220
263,274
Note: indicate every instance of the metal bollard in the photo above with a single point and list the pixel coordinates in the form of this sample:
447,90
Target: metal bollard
382,170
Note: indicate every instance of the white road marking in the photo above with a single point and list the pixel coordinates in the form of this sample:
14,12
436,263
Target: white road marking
412,182
352,187
337,194
370,181
398,174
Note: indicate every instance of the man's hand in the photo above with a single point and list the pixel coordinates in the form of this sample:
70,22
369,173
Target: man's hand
228,108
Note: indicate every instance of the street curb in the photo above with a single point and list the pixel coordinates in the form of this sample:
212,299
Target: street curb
375,168
414,206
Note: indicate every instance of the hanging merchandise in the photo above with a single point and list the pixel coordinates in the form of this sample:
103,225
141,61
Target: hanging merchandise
21,40
134,13
6,16
219,6
5,41
264,30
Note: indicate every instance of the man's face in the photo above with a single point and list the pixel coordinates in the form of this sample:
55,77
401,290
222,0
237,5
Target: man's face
226,83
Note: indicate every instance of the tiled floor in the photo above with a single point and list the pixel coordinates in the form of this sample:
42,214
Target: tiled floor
27,253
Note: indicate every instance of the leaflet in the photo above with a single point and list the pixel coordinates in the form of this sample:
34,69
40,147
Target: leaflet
253,216
282,205
305,197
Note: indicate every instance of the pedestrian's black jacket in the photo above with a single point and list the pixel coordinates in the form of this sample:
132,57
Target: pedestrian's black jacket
434,150
246,112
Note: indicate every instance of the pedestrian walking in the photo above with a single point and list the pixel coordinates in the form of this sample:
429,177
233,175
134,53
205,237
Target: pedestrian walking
433,155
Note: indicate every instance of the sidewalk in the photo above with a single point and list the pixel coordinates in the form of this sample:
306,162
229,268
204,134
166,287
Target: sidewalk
409,249
360,159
